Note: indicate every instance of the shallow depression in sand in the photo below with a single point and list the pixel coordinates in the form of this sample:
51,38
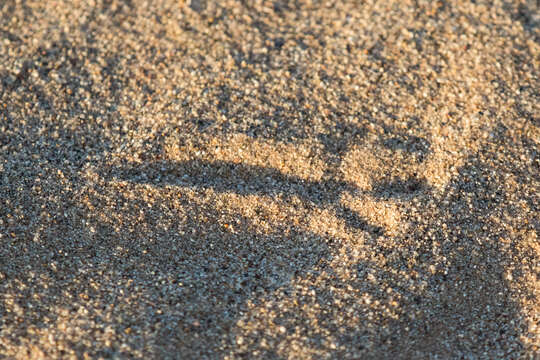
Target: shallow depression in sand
269,179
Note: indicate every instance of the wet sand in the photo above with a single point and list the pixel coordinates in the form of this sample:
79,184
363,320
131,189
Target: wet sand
269,179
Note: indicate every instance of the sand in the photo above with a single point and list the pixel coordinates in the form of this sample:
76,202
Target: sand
269,179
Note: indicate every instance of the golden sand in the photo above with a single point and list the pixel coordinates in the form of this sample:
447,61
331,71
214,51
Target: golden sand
269,179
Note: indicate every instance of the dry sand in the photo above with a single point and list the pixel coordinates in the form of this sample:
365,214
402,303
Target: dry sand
269,179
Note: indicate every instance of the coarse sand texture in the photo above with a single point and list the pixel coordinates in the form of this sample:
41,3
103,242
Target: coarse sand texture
299,179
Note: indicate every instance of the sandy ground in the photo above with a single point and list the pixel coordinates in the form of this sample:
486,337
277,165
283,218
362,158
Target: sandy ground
269,179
